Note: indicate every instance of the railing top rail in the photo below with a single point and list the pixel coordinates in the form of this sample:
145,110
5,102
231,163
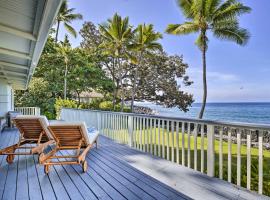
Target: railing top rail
25,107
240,125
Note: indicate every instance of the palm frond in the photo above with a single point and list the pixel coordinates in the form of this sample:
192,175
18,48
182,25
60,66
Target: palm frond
238,35
186,6
70,29
182,29
231,9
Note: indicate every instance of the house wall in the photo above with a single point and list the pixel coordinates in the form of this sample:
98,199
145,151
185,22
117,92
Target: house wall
6,98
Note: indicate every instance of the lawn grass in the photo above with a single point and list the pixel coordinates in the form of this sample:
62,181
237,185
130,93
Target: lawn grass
147,134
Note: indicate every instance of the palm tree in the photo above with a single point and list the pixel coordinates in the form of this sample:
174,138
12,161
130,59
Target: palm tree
66,16
64,49
219,17
117,34
144,42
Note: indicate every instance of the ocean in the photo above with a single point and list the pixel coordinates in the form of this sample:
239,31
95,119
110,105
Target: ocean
229,112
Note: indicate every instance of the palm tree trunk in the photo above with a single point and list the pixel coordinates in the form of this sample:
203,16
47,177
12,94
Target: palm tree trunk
65,83
57,31
204,78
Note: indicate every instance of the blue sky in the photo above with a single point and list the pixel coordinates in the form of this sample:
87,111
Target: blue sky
235,73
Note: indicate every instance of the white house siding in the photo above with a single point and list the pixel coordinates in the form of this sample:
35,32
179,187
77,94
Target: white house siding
6,98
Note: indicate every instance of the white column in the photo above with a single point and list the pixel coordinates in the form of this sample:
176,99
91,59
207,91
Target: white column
6,98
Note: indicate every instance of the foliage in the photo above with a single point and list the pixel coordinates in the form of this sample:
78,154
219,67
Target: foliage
63,103
66,16
117,34
219,17
159,79
133,76
108,106
144,42
37,95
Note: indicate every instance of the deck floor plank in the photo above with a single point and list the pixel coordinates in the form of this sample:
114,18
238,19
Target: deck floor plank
22,185
107,187
123,177
9,191
44,181
115,172
155,184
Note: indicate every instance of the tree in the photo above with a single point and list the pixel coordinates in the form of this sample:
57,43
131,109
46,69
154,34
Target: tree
87,77
221,18
144,42
37,94
64,51
117,35
66,16
159,81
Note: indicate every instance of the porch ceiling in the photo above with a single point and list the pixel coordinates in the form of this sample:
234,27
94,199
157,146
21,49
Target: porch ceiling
24,27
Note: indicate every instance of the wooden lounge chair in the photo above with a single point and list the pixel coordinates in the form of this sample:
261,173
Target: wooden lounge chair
33,130
69,136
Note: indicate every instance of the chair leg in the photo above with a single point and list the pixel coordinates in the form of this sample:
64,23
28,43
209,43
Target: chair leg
96,143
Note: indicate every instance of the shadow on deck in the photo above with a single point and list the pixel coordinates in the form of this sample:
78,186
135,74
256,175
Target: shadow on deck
115,172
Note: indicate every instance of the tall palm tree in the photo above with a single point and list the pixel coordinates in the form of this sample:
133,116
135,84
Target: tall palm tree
64,50
219,17
144,42
117,34
66,16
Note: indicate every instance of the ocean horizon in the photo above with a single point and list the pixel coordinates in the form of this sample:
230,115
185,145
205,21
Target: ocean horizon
249,112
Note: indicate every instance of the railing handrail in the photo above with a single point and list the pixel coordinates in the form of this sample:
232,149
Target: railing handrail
241,125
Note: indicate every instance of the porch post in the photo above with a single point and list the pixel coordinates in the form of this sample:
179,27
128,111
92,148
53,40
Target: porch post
6,98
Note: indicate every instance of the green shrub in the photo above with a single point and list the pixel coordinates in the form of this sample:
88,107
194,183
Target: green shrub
106,105
60,103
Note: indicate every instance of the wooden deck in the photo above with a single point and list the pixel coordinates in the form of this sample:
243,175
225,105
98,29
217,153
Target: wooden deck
115,172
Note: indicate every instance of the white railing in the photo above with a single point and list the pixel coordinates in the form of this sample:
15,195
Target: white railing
28,110
235,152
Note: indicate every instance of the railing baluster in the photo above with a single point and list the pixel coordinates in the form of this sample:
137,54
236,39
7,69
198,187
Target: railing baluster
221,153
177,143
183,143
238,157
155,136
159,147
141,122
195,146
147,135
167,139
150,136
202,148
188,145
144,135
230,155
260,183
172,140
163,139
248,158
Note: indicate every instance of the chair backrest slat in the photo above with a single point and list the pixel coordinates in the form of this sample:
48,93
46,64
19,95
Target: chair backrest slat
30,128
67,135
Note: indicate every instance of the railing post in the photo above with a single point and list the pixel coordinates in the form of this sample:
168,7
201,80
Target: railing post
211,150
130,131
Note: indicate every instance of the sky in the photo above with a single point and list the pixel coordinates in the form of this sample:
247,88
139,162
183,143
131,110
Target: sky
235,73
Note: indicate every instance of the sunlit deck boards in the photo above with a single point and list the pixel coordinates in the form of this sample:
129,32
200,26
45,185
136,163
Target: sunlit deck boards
115,172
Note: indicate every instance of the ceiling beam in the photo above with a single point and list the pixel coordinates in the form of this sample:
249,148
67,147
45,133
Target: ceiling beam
15,53
17,32
13,65
10,77
7,72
